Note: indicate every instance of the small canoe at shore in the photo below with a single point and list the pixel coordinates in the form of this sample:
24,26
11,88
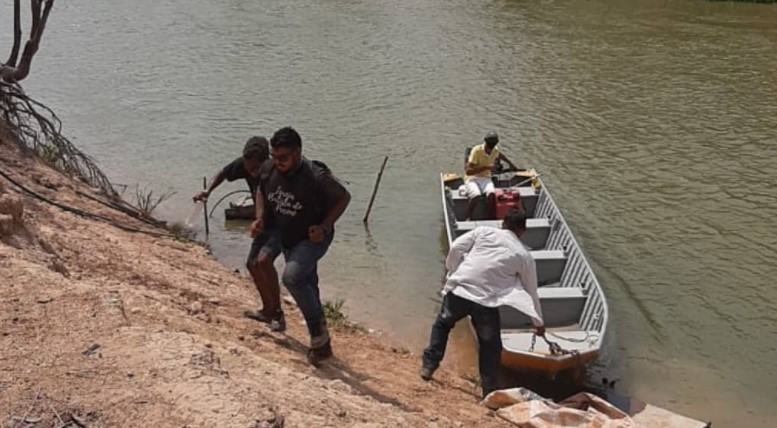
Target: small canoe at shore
573,304
243,209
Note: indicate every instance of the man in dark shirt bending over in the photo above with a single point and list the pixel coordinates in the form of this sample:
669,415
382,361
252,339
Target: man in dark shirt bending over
266,246
304,200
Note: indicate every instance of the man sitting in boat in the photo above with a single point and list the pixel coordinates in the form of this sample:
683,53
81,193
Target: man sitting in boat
487,268
480,165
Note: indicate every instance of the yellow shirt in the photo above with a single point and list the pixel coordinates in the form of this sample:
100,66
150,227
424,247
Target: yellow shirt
479,157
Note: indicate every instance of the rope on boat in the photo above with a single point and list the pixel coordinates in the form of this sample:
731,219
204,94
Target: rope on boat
554,348
588,335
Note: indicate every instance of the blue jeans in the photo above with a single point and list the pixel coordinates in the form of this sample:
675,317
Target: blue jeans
301,279
268,242
487,327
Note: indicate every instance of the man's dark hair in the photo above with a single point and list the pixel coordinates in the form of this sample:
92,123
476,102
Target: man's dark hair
256,148
515,219
286,137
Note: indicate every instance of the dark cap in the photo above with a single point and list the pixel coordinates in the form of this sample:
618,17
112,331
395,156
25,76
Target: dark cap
491,137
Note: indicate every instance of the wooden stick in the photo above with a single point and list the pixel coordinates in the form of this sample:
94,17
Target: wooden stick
525,181
205,206
77,420
375,191
37,397
57,414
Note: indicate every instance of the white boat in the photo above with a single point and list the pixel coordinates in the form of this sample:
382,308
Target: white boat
573,305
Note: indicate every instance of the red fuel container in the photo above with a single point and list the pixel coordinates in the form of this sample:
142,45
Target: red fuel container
505,200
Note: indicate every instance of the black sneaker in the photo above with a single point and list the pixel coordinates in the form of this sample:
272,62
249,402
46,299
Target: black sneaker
278,322
258,315
426,373
322,353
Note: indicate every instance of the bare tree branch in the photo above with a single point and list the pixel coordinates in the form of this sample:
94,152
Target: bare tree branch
16,73
35,7
36,127
17,33
44,19
39,130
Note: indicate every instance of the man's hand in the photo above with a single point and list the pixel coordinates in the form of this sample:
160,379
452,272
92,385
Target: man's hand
201,196
488,168
257,227
539,330
316,233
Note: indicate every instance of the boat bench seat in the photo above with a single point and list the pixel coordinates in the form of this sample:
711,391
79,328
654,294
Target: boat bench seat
550,265
528,199
560,306
535,237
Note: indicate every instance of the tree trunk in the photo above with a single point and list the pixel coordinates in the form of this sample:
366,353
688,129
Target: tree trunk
10,71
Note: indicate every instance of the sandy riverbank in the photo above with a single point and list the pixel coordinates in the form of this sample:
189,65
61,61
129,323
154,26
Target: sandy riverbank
129,329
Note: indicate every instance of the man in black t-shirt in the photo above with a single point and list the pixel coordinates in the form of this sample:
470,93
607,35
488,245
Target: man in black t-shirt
304,200
265,247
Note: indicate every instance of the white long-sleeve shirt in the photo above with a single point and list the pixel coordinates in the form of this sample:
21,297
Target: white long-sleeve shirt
491,267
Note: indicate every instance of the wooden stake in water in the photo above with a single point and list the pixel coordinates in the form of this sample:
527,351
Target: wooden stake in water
205,206
375,191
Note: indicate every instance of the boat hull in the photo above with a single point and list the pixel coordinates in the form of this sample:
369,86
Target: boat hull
244,212
547,364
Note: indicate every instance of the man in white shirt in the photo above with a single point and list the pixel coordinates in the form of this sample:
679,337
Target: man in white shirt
487,268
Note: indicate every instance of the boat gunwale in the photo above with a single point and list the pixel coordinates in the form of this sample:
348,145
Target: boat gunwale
595,280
